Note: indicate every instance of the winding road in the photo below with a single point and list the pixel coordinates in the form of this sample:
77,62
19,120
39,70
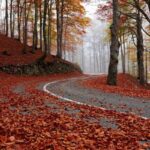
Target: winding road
72,90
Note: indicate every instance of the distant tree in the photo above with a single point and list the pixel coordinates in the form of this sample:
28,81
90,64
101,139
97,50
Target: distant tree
60,21
25,28
6,17
44,28
35,30
140,48
19,19
11,19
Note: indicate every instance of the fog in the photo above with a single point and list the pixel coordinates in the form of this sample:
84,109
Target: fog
93,54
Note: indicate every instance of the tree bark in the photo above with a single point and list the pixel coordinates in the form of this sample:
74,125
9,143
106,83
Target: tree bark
50,25
13,25
60,11
40,13
11,19
58,27
6,17
140,49
35,32
114,48
122,41
44,27
19,19
25,29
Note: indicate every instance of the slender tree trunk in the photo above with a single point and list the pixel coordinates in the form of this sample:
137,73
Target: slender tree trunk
40,13
59,10
82,57
146,66
13,26
122,54
140,49
11,18
129,61
62,27
35,32
6,17
44,28
65,42
58,27
25,29
65,36
114,48
18,18
49,26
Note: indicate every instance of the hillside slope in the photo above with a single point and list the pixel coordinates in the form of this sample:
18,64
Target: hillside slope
13,61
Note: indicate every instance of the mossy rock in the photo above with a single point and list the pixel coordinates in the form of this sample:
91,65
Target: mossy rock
55,66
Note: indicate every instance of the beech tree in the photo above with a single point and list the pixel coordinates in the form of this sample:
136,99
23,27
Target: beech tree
140,49
114,48
35,30
132,13
6,17
60,21
19,19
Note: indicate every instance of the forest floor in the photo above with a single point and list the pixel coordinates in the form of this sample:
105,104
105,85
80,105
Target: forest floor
126,85
31,119
11,52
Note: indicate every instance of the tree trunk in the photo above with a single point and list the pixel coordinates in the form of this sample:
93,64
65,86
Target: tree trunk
40,11
13,26
59,10
49,26
58,27
11,18
6,15
62,27
146,66
122,54
18,18
44,27
114,48
35,32
140,49
25,29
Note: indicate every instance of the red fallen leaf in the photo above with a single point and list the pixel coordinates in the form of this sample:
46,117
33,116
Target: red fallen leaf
100,132
111,146
3,139
127,85
146,145
12,138
89,142
19,141
9,143
47,134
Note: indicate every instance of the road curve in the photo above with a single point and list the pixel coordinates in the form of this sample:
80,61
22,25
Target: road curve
71,90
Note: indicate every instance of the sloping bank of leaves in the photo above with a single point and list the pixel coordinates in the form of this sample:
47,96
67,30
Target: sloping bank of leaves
127,86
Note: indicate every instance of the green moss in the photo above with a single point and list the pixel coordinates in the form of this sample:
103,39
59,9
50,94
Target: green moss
56,66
